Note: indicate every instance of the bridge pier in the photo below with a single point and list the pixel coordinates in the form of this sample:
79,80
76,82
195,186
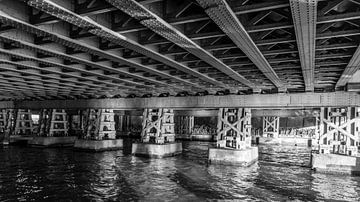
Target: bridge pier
52,129
233,144
184,126
6,125
158,135
338,141
99,131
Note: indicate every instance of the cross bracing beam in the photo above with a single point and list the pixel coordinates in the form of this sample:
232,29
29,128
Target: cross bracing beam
294,100
220,12
73,69
116,38
304,18
350,70
56,76
161,27
39,49
5,18
240,10
261,28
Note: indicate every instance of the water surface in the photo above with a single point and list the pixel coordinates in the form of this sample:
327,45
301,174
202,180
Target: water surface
282,174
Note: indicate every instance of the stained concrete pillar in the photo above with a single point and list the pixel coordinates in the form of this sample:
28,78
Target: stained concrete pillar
52,130
158,134
233,140
99,131
6,125
338,141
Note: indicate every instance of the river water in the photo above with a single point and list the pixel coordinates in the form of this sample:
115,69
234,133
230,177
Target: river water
282,174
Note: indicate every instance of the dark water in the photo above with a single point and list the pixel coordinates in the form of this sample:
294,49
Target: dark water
30,174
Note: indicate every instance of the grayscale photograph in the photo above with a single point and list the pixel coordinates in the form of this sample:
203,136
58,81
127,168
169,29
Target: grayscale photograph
180,100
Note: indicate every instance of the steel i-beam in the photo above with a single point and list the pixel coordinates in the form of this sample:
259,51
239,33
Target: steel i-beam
304,17
161,27
221,13
350,69
103,32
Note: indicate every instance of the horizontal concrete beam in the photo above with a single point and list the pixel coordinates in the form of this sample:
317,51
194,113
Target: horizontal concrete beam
298,100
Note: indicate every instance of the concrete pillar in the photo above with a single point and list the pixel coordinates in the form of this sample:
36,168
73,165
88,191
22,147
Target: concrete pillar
338,140
23,123
271,126
7,123
53,129
233,141
52,122
99,131
158,134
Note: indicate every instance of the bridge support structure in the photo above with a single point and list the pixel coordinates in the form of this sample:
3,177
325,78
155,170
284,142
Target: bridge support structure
52,130
184,126
233,145
99,131
7,123
338,141
271,126
158,135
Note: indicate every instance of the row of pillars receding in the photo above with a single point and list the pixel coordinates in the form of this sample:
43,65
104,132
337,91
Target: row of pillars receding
337,129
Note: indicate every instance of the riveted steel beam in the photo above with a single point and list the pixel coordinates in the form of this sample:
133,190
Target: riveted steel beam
101,31
304,17
220,12
350,70
161,27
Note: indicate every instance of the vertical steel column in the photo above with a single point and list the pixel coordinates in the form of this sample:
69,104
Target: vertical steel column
339,130
23,123
234,128
158,126
271,126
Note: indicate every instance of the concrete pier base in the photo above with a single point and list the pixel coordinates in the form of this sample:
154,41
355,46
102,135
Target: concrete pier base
98,145
335,163
202,137
156,150
20,139
67,141
244,157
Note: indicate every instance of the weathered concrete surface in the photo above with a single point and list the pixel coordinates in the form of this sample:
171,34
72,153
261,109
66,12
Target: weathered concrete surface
156,150
52,141
245,157
20,139
98,145
335,163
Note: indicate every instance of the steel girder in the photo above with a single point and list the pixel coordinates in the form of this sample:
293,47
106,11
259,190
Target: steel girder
101,31
161,27
220,12
304,17
351,68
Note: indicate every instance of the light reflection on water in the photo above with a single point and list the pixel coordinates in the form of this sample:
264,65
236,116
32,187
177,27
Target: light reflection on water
282,174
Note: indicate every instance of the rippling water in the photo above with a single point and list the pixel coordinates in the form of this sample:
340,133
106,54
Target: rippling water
282,174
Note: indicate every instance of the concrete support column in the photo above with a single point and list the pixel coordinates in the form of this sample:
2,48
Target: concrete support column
53,122
233,144
158,126
7,123
339,130
99,131
234,128
271,126
23,123
338,141
53,129
184,125
158,134
100,124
